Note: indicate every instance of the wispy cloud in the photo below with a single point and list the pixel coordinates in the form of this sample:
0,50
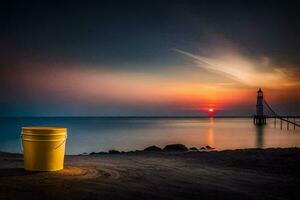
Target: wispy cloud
239,68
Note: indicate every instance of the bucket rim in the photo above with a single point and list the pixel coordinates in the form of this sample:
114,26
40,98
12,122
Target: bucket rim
43,130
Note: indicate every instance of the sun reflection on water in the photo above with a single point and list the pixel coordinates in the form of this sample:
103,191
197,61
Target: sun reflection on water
210,135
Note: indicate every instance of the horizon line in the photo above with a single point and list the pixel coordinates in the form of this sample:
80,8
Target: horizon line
143,116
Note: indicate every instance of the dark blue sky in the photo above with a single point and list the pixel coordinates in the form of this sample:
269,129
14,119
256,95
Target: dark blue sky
135,36
115,32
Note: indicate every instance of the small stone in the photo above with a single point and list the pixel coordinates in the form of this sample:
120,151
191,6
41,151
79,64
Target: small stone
113,151
193,149
175,147
209,147
153,148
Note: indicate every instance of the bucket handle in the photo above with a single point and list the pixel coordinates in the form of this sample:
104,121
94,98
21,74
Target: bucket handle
61,143
21,143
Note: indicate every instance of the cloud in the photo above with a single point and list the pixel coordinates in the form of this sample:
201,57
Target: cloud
244,70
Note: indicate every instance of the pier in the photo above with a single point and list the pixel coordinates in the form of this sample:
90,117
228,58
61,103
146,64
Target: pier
264,112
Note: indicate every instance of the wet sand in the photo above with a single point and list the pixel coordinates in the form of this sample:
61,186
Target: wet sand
237,174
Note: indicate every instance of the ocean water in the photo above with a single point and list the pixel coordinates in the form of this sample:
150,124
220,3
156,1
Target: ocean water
88,134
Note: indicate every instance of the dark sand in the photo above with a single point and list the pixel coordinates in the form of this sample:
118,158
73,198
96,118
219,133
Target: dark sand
239,174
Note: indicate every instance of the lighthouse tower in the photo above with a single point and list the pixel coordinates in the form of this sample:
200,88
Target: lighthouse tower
259,118
259,103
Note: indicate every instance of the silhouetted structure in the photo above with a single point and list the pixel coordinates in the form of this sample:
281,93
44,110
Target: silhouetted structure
259,118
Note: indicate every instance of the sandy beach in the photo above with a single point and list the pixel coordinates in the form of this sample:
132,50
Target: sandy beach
232,174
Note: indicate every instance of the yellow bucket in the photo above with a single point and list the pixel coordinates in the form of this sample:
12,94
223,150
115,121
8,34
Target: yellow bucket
44,148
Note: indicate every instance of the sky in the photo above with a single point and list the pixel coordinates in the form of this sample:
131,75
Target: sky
148,58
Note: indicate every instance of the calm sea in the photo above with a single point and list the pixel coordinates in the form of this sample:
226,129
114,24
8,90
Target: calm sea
87,134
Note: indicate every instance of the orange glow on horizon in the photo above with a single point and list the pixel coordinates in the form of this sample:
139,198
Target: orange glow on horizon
135,89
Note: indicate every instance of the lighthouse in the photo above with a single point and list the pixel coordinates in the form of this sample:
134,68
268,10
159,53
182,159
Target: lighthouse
259,118
259,103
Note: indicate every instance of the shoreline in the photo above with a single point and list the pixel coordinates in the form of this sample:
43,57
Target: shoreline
170,152
199,150
271,173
